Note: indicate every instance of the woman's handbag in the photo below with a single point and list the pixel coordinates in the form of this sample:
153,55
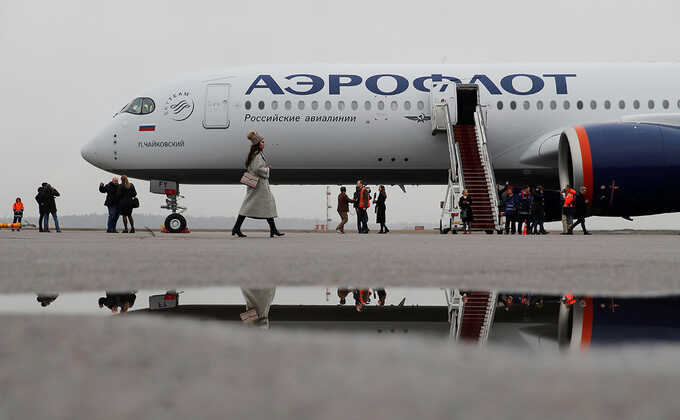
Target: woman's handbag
135,202
249,180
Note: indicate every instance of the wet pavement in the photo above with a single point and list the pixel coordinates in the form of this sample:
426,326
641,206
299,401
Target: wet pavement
599,264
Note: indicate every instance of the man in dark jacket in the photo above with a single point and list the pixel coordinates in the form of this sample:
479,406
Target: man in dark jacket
343,209
359,210
523,209
538,211
42,209
111,190
49,194
509,211
580,210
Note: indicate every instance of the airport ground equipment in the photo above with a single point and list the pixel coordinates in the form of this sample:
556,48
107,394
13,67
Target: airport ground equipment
10,225
175,222
471,314
456,110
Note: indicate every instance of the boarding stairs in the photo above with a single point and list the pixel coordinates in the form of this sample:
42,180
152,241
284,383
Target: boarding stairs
471,314
459,114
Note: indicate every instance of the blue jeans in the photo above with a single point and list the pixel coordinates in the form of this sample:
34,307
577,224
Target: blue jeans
47,220
113,219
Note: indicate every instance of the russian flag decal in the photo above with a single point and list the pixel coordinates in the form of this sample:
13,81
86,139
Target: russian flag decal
147,128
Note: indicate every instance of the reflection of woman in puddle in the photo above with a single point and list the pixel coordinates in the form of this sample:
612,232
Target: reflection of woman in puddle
258,302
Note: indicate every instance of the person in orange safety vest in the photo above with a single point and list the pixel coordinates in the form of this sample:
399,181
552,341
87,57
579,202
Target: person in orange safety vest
568,208
18,209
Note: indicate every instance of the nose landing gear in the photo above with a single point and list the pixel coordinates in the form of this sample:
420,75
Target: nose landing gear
175,223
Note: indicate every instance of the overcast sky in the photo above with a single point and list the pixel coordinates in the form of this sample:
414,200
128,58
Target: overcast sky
68,66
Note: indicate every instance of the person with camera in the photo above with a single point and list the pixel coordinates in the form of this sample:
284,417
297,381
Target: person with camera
48,205
111,203
127,200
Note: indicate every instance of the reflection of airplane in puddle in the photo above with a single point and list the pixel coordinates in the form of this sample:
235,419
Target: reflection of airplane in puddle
536,321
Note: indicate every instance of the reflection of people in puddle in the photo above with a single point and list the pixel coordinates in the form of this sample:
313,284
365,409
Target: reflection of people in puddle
342,294
45,299
382,296
362,297
118,301
258,302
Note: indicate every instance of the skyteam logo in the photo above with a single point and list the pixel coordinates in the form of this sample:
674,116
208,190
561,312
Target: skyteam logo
179,106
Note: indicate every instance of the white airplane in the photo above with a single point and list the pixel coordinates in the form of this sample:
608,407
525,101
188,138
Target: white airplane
614,128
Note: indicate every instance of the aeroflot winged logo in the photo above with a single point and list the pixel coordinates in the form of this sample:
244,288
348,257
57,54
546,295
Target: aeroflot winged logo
179,106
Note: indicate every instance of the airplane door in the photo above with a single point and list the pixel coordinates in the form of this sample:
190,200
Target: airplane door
216,106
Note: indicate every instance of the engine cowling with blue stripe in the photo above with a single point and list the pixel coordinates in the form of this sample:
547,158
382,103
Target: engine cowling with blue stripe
629,169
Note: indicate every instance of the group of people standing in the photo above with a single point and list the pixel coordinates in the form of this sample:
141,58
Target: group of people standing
524,211
121,198
361,202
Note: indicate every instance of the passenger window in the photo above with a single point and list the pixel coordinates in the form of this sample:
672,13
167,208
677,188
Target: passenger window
566,105
381,105
248,105
315,105
328,105
289,105
636,104
539,105
148,106
513,105
367,105
499,105
355,105
607,104
527,105
421,105
666,104
553,105
593,105
394,106
650,104
260,105
341,105
622,104
579,104
407,105
301,105
275,105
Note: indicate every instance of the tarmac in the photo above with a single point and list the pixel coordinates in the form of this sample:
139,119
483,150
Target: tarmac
601,264
113,367
147,368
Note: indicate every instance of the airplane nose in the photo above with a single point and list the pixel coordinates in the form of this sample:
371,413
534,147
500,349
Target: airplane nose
88,152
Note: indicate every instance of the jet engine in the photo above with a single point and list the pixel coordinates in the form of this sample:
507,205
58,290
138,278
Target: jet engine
629,169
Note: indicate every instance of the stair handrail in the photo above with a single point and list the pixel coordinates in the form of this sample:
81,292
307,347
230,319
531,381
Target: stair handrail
454,151
486,162
489,316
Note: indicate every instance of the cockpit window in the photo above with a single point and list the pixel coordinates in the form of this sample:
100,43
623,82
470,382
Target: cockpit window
140,106
148,106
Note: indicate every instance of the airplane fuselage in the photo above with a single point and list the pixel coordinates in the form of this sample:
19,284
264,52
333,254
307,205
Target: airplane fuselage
329,124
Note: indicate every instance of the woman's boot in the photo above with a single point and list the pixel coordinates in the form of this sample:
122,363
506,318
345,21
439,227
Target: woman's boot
273,231
236,231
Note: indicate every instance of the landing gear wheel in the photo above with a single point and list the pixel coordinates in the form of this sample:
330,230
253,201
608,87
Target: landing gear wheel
175,223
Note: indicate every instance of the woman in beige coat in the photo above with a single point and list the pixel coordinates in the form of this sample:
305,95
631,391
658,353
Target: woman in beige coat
259,202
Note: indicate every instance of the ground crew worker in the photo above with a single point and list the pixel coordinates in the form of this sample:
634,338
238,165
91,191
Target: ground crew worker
18,209
580,209
362,297
568,299
364,204
523,210
568,208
